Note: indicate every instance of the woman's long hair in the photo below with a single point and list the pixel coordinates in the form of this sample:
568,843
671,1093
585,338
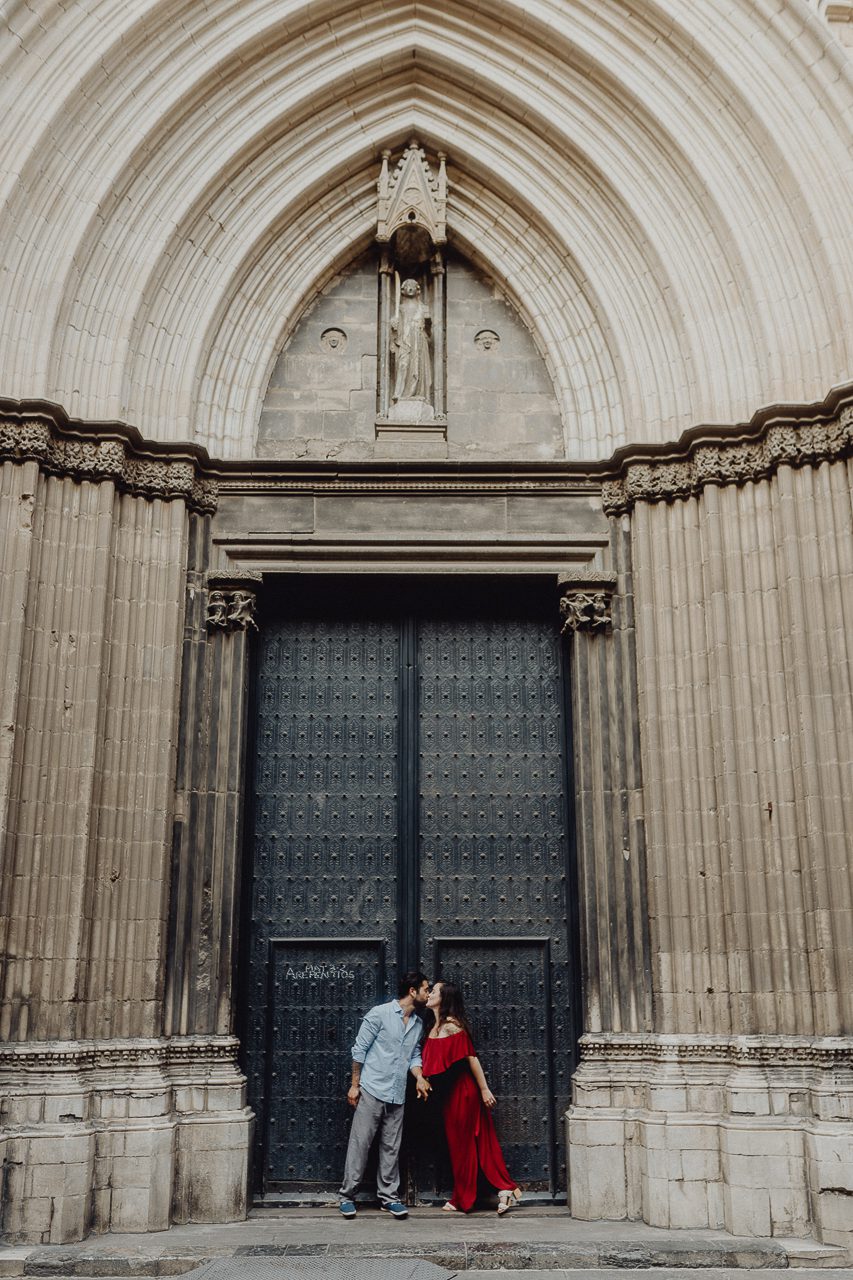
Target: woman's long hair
452,1004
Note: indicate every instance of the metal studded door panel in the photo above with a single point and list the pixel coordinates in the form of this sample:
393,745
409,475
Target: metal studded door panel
320,987
493,861
323,909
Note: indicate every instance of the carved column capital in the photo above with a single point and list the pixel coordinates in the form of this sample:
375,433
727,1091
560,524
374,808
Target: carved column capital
585,597
232,600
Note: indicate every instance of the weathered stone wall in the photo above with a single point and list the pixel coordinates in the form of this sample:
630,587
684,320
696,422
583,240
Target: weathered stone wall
104,1123
746,700
613,913
500,399
738,1110
321,400
711,696
90,739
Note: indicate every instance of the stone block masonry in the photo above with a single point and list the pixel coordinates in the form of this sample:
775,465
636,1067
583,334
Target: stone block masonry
121,1135
751,1134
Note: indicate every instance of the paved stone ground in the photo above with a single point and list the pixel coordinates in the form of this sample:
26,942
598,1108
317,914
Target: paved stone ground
528,1240
620,1273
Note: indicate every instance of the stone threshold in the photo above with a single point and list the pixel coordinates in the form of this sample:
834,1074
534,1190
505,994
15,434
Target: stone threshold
536,1240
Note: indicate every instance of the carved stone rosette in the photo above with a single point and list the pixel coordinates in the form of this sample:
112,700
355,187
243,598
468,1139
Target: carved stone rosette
699,461
232,601
61,450
585,601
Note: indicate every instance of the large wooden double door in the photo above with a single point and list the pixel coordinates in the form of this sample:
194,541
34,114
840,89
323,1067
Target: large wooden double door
409,806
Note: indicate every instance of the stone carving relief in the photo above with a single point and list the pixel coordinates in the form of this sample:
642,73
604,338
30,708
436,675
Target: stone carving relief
333,340
412,195
486,340
94,458
728,462
585,600
585,611
231,601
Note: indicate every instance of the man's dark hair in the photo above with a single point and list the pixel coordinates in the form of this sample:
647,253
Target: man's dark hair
414,978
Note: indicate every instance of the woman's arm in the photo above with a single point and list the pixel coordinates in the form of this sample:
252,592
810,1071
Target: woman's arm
477,1071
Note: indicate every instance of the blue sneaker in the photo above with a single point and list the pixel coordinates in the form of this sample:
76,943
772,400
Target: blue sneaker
347,1209
396,1209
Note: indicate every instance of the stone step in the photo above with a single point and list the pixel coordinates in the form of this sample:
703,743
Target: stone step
529,1239
469,1255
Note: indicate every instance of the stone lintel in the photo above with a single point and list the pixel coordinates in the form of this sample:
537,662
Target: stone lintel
793,435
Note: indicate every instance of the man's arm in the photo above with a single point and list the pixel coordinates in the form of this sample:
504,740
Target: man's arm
367,1033
415,1066
354,1092
423,1085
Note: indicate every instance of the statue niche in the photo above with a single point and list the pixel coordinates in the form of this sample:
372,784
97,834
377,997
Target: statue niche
411,230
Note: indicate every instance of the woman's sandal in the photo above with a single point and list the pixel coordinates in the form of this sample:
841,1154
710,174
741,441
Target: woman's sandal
506,1199
449,1208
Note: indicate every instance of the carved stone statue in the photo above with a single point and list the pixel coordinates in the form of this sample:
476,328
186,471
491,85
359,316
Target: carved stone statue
410,345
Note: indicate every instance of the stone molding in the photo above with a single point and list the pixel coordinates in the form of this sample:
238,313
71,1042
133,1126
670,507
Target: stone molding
735,1051
729,459
543,480
232,600
80,1056
104,454
794,435
585,600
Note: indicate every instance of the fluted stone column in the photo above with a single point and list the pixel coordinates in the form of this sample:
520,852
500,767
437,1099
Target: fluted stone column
92,590
597,612
207,858
608,796
740,1100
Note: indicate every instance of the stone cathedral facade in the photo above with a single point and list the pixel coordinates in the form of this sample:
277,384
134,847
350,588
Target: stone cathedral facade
426,538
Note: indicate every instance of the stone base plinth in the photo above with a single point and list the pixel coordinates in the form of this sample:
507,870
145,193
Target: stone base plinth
424,431
121,1135
750,1134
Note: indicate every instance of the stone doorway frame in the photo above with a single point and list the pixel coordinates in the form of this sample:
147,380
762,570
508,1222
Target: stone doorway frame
228,563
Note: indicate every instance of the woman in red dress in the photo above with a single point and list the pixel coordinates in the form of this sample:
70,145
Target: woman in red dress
467,1103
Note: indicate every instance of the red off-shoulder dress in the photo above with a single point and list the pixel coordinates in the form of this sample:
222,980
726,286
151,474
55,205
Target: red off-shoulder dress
468,1123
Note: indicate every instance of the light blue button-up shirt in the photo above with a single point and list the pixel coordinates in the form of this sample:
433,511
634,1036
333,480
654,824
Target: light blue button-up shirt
387,1049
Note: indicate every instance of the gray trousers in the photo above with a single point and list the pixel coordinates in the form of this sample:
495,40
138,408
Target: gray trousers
372,1115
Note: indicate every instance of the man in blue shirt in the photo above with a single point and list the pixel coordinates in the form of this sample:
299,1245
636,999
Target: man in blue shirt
386,1049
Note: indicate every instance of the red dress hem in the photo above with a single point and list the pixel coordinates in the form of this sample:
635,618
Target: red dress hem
471,1137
